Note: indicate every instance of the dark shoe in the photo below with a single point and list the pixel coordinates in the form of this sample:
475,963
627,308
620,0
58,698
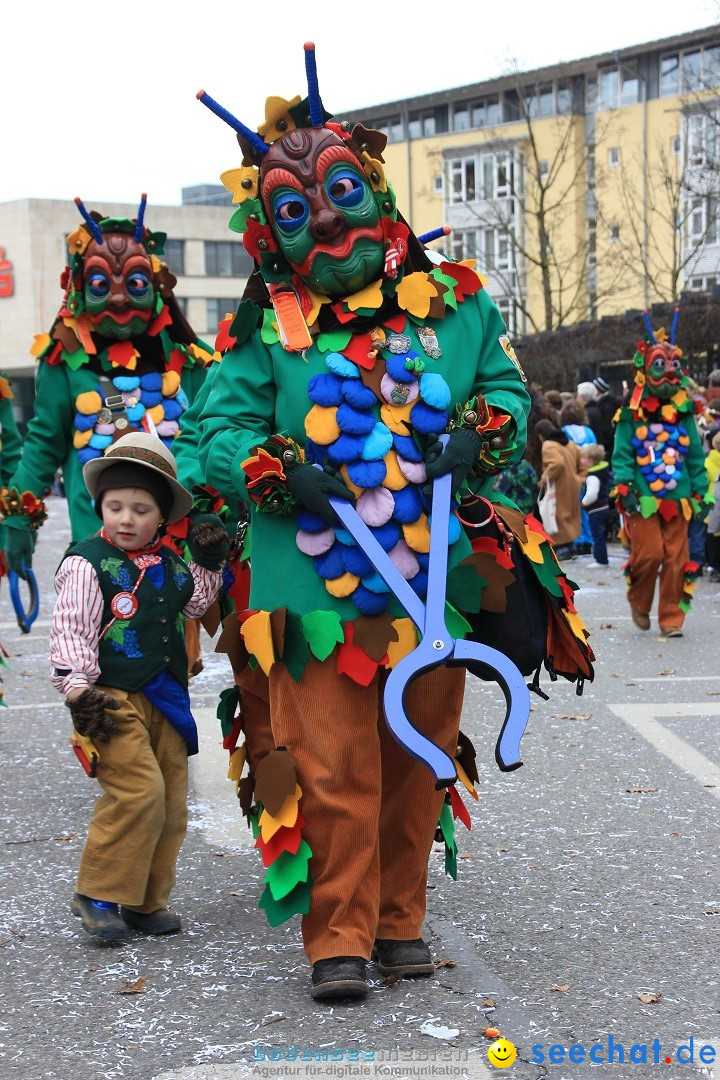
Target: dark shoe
640,620
156,922
339,977
671,631
403,957
714,575
99,918
565,552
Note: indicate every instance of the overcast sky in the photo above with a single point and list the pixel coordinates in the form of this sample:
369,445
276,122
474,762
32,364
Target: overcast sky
99,104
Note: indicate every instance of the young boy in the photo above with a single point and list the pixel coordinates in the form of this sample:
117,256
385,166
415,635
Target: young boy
118,654
596,499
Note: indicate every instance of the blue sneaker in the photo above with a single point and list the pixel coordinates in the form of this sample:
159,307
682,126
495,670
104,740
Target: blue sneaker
99,918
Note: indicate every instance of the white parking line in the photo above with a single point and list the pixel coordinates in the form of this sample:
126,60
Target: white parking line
643,718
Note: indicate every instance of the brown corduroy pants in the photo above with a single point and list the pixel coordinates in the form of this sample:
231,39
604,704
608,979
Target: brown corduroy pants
140,820
371,810
656,544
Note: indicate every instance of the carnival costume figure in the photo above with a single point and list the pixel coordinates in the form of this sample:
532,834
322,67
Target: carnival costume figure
351,354
659,469
120,357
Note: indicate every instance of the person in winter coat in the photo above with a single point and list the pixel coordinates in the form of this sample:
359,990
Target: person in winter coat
596,500
562,466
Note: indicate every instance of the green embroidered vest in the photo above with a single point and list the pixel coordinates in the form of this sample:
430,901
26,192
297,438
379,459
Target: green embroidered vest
133,651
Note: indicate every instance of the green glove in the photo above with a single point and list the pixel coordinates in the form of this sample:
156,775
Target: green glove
18,543
208,541
312,488
629,504
459,456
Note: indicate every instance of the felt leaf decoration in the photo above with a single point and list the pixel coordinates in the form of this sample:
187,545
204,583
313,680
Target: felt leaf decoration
457,626
459,810
160,322
231,643
465,780
269,330
498,579
447,827
275,780
78,240
369,297
397,418
287,816
278,111
333,341
283,840
227,707
546,573
296,655
323,631
123,354
466,588
373,634
353,661
360,352
466,752
287,871
245,794
648,505
277,631
232,179
237,761
315,301
231,739
514,520
258,639
296,902
449,284
407,640
414,294
40,343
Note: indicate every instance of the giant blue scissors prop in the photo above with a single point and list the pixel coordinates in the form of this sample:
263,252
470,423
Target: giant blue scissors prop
25,618
436,646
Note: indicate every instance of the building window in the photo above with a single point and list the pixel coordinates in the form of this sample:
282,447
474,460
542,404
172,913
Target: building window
564,99
476,114
539,102
675,145
614,157
181,303
670,74
227,258
544,170
175,256
618,86
703,220
427,122
614,234
217,309
437,185
461,173
461,121
703,283
692,70
391,127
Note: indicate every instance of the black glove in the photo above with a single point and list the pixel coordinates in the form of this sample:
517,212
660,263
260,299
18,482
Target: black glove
311,487
89,712
208,541
459,456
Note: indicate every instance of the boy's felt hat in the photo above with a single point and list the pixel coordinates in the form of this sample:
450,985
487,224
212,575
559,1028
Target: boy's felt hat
149,452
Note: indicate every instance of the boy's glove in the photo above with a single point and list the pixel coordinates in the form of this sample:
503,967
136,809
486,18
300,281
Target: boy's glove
89,712
18,543
459,456
311,487
208,541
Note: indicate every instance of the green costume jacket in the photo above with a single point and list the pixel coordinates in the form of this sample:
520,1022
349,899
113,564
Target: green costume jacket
11,444
260,389
53,435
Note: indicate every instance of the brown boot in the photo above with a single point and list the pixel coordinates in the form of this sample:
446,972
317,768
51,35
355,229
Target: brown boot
640,620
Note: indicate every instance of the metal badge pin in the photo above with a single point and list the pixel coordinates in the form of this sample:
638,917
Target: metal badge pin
398,343
429,342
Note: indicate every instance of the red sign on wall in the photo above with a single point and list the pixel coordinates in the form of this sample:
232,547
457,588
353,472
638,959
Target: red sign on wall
6,275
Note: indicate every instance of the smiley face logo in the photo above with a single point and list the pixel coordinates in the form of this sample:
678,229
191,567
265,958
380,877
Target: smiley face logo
501,1053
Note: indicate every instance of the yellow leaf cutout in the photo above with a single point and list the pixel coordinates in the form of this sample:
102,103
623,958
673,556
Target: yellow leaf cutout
285,817
374,165
406,642
686,509
396,417
40,344
232,179
277,111
237,761
414,294
78,240
343,585
532,548
321,424
369,297
465,780
156,264
258,639
317,302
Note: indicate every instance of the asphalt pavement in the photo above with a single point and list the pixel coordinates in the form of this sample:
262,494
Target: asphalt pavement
586,913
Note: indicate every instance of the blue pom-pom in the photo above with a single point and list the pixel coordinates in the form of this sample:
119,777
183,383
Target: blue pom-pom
167,443
377,444
369,603
330,565
87,454
353,421
325,389
126,382
315,454
356,561
171,409
408,505
426,420
100,442
151,398
85,423
151,382
419,583
375,583
182,399
367,474
395,367
345,538
434,390
358,394
423,558
135,413
342,366
387,535
345,448
309,521
407,448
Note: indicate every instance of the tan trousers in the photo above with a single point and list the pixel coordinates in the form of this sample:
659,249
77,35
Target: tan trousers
140,820
371,810
656,544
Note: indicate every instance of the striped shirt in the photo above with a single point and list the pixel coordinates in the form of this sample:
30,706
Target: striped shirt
77,619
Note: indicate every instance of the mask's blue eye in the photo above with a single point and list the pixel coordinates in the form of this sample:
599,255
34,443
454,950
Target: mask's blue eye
98,285
290,211
138,284
345,188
